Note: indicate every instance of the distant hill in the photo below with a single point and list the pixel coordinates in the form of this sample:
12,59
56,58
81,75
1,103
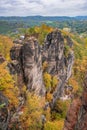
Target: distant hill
12,24
42,18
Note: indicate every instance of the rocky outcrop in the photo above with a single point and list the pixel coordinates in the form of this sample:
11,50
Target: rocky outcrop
58,63
69,41
27,58
27,64
32,66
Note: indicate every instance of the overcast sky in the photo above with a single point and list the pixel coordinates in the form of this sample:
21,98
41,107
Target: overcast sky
43,7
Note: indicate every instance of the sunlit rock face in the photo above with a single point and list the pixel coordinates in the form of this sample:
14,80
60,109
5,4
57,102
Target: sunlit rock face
27,63
32,66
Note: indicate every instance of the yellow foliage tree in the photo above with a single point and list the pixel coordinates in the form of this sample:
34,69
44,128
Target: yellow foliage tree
7,85
32,111
49,97
5,46
54,82
47,80
54,125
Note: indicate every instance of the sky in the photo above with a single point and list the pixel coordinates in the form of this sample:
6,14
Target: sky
43,7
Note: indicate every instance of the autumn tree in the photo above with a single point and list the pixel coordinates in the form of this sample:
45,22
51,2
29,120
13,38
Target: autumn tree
5,46
7,85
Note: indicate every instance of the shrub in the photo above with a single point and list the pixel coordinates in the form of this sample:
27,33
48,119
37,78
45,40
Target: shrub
32,111
54,125
47,80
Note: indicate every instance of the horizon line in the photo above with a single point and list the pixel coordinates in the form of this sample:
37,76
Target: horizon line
46,16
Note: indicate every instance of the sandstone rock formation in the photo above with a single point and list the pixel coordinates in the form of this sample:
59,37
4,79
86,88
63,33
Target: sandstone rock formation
27,64
58,63
27,58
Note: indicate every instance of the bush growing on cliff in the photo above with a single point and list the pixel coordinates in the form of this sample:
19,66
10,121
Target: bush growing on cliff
54,82
60,110
40,32
54,125
32,111
50,81
47,80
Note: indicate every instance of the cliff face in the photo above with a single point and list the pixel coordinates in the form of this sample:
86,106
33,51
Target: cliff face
58,63
27,63
31,62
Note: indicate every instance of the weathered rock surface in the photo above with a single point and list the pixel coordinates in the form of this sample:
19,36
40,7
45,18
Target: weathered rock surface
27,64
32,66
58,63
27,58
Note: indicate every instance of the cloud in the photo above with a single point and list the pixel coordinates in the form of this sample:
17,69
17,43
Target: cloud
43,7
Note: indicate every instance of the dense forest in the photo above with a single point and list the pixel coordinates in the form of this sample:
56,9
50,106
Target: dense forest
42,68
13,24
